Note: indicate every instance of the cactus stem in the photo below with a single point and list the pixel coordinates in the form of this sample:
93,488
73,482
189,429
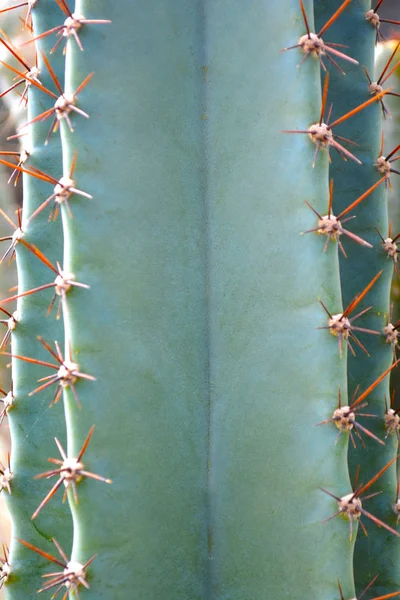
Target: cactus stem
67,372
350,506
312,43
6,475
71,577
70,473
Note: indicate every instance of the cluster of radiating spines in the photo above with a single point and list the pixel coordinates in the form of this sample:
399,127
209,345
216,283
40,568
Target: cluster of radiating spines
71,26
30,71
345,417
384,164
312,43
321,134
392,419
65,103
72,575
69,471
66,375
373,17
21,157
63,188
391,332
375,87
350,506
332,226
341,324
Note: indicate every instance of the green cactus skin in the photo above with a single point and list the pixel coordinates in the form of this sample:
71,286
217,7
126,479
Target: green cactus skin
237,328
250,403
202,326
149,528
375,553
33,425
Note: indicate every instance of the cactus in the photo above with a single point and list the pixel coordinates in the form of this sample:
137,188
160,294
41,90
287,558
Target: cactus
371,214
221,292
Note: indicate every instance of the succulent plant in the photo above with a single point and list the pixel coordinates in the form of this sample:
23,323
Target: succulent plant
202,335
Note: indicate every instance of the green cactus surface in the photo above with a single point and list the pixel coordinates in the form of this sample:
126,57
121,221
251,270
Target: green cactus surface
202,382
